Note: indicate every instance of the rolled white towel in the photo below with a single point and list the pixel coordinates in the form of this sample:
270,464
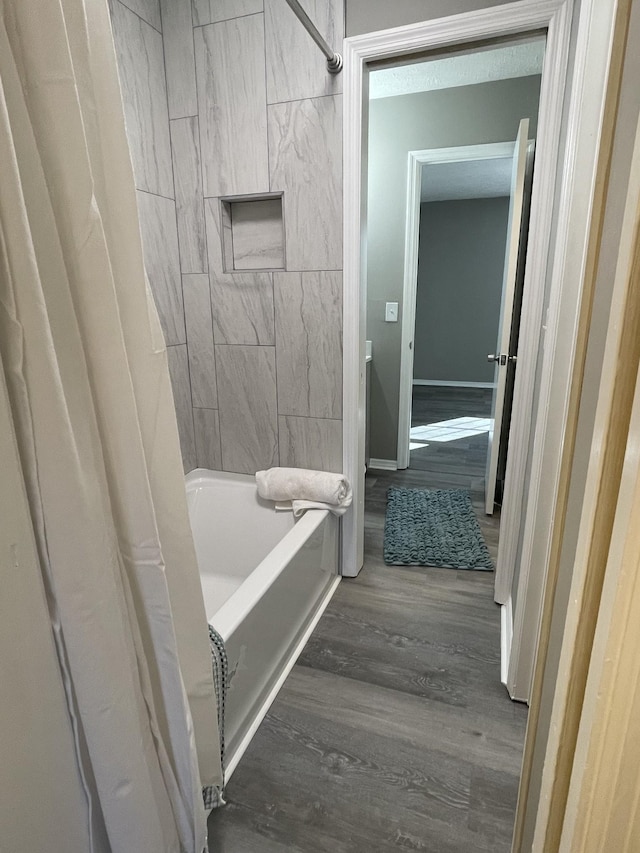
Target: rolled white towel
300,507
301,484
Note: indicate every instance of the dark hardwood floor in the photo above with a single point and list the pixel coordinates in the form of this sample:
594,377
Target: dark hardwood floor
393,731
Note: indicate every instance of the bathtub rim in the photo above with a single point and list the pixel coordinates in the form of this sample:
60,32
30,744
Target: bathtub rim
225,621
230,615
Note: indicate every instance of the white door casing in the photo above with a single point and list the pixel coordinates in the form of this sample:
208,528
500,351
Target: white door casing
564,200
554,16
502,353
566,170
554,198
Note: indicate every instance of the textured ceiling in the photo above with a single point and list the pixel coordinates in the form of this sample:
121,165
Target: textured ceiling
466,179
500,63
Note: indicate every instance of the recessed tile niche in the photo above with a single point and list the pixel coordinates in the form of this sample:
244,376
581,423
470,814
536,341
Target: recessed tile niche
252,233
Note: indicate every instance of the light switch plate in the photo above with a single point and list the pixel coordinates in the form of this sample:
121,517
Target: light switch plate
391,312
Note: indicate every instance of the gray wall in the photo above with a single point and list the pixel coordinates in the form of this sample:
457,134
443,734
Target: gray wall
460,268
367,16
467,115
246,106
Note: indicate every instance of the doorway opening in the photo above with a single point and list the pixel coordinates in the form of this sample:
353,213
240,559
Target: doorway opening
450,223
460,35
465,250
571,120
445,190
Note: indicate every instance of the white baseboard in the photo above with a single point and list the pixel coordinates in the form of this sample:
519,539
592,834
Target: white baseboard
506,638
383,464
445,383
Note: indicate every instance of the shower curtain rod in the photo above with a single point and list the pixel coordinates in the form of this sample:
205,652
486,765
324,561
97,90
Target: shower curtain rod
334,60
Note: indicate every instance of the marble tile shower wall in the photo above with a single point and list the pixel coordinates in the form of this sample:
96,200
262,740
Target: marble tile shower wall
137,31
227,98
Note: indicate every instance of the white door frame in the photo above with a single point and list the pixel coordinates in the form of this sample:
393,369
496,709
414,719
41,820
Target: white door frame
508,19
416,160
564,194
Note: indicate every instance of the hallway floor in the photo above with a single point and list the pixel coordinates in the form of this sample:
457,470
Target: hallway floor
393,731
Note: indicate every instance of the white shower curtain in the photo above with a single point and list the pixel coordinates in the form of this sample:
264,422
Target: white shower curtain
86,371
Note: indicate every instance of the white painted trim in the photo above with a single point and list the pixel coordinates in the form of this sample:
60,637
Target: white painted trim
416,160
586,111
532,329
508,19
604,715
445,383
355,157
506,637
383,465
233,760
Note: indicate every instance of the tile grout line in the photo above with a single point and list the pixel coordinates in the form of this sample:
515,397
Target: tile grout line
140,18
226,20
299,100
271,275
206,244
157,195
175,213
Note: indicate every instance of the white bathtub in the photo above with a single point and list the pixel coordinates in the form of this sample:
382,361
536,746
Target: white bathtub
266,581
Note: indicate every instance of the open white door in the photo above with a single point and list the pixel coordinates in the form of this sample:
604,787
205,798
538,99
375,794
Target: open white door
502,356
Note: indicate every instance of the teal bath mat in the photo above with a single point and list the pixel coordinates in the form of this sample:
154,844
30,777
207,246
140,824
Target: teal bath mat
433,528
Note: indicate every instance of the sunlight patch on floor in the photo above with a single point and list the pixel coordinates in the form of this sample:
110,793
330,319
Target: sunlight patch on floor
450,430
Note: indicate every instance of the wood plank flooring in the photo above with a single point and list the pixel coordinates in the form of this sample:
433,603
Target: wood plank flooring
393,731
